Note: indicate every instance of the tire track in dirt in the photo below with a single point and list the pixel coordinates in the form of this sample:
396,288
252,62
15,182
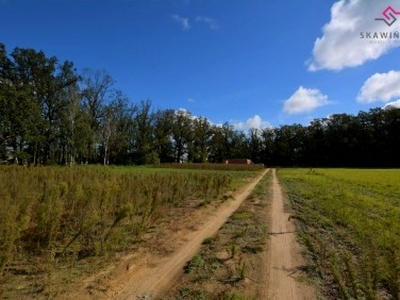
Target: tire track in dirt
151,283
284,260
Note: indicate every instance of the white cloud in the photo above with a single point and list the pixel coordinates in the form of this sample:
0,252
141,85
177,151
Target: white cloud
212,24
341,44
391,105
182,111
184,22
253,122
380,87
304,100
191,100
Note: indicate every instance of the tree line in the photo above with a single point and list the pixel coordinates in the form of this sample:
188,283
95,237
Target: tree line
52,114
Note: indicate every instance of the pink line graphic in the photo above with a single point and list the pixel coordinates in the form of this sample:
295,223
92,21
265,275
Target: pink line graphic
389,8
389,14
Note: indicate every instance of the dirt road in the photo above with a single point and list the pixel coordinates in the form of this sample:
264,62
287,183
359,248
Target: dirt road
284,260
150,282
277,275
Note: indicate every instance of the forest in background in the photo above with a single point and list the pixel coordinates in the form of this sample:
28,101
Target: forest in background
52,114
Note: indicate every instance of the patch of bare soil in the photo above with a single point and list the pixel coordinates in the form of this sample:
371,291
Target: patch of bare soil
241,262
156,264
285,278
230,264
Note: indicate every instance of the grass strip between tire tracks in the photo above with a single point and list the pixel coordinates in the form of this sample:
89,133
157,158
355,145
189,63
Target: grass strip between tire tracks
228,265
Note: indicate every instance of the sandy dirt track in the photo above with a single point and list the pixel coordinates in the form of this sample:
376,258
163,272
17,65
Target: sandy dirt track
146,275
284,260
152,282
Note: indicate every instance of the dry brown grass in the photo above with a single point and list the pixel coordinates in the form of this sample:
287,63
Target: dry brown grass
55,223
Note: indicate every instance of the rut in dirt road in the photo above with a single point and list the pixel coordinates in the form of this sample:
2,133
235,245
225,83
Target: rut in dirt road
151,283
284,258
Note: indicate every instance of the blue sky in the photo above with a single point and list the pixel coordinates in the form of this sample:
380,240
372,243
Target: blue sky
253,63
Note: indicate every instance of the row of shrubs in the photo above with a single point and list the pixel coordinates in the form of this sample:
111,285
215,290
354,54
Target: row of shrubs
209,166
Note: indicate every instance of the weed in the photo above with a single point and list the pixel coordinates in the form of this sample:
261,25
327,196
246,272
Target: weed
253,249
208,241
188,293
226,197
223,264
349,224
242,216
241,268
196,262
232,250
236,296
86,211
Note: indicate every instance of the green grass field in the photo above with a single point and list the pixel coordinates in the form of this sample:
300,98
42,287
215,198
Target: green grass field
349,220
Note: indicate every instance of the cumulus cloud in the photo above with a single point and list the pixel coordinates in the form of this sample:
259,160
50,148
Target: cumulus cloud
342,43
391,105
304,100
380,87
254,122
211,23
184,22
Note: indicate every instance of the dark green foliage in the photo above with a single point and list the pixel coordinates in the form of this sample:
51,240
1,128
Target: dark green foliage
49,114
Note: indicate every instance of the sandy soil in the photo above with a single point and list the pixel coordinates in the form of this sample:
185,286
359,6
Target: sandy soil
229,266
284,261
147,274
152,282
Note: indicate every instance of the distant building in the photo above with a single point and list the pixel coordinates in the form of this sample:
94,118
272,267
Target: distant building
238,161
